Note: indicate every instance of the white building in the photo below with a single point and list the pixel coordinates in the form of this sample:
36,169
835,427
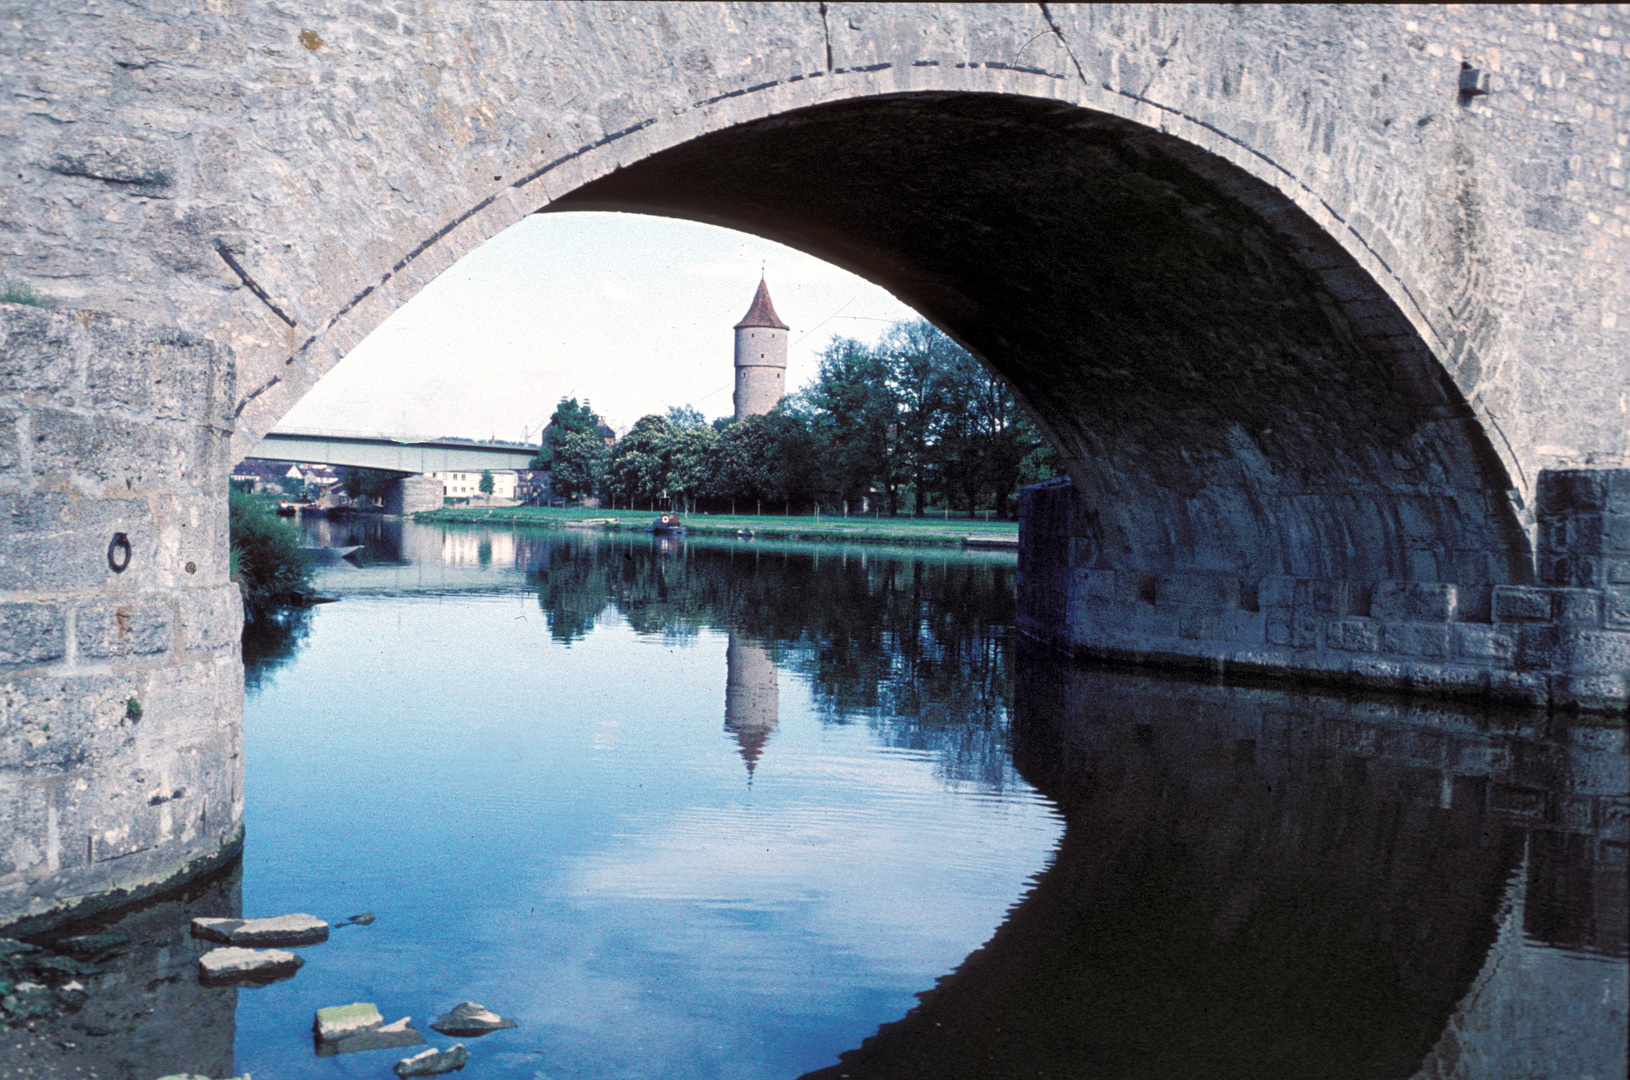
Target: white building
467,485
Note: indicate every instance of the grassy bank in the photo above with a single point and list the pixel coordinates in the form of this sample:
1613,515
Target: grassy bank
947,532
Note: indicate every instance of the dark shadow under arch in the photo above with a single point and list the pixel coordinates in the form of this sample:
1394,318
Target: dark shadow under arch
1232,392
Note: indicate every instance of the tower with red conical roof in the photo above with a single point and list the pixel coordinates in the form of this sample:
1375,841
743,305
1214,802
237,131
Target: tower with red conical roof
761,357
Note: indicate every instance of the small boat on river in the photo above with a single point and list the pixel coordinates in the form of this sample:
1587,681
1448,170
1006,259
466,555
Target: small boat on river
668,525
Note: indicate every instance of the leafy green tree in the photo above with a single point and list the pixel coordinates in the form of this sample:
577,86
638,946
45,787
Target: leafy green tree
855,413
580,465
773,459
568,419
639,461
685,416
690,453
485,485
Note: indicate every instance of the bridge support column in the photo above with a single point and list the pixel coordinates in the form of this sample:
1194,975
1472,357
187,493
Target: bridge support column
121,683
1561,643
411,494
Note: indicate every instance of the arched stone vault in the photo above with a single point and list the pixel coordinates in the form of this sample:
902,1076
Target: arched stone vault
1300,312
1232,391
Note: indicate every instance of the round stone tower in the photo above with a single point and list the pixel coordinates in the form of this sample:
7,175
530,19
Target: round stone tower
761,357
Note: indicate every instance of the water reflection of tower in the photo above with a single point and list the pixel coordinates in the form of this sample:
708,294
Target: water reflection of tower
752,699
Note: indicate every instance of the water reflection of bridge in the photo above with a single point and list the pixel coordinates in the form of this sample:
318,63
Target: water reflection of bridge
1254,882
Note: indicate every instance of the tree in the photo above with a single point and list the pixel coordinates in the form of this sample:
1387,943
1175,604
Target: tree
639,465
486,485
690,452
685,416
568,419
854,416
579,465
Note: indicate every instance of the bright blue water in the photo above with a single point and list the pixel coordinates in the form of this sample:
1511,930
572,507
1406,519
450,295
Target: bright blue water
515,751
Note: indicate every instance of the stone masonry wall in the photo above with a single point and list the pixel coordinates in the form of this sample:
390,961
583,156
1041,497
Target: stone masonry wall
1564,642
121,690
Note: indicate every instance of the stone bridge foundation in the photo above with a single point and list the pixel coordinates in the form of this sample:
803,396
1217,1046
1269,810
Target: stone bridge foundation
121,685
1562,641
411,494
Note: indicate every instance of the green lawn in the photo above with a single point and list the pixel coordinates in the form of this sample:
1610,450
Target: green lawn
901,530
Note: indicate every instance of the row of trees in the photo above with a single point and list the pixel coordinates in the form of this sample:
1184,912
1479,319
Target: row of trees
910,424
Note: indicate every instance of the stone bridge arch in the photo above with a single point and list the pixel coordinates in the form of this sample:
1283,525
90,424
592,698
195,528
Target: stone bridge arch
223,201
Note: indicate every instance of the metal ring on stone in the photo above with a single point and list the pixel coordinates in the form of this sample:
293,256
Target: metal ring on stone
119,553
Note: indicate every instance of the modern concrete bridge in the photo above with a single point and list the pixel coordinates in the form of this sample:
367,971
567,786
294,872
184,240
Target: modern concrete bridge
388,454
1322,306
410,457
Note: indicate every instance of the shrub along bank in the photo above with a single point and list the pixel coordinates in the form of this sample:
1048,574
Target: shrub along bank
268,563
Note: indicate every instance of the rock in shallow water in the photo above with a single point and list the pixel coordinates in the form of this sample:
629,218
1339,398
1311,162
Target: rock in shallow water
297,929
345,1029
469,1019
247,965
433,1062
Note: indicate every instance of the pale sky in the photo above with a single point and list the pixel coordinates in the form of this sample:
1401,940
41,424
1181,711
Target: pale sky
631,312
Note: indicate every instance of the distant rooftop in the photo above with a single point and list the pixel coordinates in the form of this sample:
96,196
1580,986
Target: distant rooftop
762,313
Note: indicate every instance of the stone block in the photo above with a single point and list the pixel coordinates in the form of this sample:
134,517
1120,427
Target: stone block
1561,491
1213,624
1198,588
1152,621
1577,607
1413,601
1353,634
1571,650
1276,591
1616,534
1330,597
1430,640
9,446
212,618
1583,534
1616,607
1297,627
1521,603
32,633
1102,585
54,724
38,353
140,628
1483,643
58,542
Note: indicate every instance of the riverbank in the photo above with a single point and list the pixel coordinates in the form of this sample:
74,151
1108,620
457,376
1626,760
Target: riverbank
935,532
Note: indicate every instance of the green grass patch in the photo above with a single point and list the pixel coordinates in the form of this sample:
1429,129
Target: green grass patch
948,532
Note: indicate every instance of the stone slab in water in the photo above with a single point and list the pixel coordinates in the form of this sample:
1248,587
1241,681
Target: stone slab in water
468,1019
345,1029
433,1062
231,964
296,929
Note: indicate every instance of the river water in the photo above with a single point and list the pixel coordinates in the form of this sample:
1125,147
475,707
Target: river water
748,809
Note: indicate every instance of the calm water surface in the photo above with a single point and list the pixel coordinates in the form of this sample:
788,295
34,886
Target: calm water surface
741,809
681,810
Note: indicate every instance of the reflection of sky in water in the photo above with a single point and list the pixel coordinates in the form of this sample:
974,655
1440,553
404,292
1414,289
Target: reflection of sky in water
567,835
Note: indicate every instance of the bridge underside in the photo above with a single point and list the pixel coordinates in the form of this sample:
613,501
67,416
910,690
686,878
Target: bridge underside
1230,392
1271,469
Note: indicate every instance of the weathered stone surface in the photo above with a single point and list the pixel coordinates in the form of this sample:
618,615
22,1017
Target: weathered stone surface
1341,343
469,1019
230,964
296,929
433,1062
346,1029
338,1021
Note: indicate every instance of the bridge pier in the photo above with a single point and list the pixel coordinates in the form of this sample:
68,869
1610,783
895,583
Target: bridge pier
411,494
121,684
1559,641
